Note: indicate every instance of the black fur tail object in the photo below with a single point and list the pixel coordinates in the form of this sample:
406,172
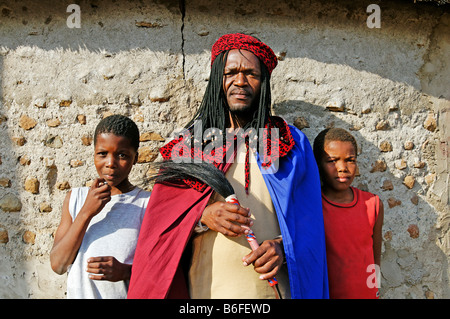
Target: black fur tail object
172,172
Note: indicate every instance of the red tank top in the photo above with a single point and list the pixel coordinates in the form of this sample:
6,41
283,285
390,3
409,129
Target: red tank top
348,233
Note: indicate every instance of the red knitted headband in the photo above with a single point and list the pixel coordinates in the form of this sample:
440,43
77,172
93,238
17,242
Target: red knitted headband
248,43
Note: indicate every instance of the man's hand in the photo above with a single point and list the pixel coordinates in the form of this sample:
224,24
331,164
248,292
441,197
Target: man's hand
267,259
227,218
107,268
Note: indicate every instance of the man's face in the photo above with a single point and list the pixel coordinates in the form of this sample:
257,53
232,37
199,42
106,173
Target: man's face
241,80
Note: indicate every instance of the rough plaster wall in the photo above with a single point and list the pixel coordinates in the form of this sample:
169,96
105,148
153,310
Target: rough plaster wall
150,60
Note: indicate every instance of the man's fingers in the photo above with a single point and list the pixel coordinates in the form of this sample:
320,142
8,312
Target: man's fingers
237,224
267,267
231,229
235,213
269,275
236,218
226,218
253,256
266,259
264,266
236,209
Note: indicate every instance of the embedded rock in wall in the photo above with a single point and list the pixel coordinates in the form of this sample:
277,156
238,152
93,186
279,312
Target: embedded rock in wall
10,203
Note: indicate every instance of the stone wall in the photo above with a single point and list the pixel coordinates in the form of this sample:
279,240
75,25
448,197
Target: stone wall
150,60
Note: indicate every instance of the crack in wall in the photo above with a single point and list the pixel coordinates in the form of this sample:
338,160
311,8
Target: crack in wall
182,5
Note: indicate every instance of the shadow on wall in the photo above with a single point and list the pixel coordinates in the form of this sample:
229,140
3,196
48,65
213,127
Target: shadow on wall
333,33
406,251
11,229
97,26
328,32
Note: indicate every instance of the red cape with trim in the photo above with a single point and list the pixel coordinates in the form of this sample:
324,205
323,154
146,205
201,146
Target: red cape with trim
171,215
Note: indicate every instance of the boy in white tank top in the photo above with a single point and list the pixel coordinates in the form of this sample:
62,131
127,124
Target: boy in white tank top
97,236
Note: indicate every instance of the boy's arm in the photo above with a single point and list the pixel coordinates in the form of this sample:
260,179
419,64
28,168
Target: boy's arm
69,235
377,236
66,243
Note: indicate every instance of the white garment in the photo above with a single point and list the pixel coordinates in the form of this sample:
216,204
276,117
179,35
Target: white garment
112,232
217,270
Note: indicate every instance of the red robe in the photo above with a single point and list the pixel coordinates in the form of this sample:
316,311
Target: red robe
170,218
160,248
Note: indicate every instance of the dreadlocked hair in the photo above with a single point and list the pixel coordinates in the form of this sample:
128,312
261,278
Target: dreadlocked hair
119,125
213,111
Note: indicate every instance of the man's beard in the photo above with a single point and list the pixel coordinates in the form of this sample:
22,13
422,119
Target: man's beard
245,112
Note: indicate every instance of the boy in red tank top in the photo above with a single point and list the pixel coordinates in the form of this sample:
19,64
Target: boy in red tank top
353,219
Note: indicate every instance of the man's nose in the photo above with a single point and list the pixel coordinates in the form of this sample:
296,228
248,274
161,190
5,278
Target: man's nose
240,79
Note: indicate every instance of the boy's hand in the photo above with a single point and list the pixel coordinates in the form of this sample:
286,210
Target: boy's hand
267,259
99,194
226,218
107,268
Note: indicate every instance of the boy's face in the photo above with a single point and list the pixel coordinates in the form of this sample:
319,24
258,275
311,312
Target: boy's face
114,158
338,165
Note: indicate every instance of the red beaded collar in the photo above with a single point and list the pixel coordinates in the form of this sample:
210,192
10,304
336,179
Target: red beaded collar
284,145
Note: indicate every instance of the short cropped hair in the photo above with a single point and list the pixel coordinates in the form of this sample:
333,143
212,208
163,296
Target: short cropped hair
119,125
329,135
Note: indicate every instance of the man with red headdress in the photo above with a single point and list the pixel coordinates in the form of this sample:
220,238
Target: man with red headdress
279,184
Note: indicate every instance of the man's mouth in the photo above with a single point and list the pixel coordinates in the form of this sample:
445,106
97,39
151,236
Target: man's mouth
240,94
